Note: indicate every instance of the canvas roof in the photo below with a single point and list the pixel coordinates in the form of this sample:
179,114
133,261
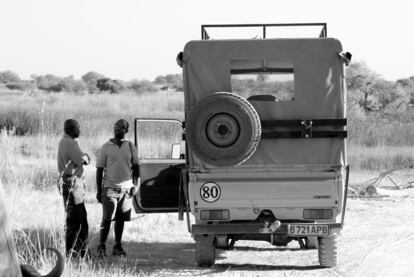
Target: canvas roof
319,93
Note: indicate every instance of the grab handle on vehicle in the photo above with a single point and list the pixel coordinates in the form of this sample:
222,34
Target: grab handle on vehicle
345,196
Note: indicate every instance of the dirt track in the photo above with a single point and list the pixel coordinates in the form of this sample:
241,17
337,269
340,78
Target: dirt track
378,240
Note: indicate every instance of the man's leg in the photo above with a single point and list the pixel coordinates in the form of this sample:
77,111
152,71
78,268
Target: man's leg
73,228
119,229
72,221
84,232
123,214
108,209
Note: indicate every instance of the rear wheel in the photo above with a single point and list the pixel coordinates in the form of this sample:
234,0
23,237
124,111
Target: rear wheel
327,251
311,242
222,242
205,250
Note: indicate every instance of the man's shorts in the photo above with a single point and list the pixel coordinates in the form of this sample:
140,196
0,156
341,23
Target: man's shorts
73,190
116,205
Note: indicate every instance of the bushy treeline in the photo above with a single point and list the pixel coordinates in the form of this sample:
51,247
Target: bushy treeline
91,82
380,112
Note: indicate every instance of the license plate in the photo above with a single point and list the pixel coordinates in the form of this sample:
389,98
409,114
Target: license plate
308,230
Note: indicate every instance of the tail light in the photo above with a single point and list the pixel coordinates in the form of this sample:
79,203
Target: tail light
317,213
214,214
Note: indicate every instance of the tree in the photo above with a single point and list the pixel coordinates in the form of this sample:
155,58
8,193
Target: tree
361,82
175,80
407,85
69,84
9,76
91,79
48,82
161,80
113,86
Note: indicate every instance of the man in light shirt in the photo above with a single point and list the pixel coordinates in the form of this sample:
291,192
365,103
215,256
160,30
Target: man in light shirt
70,160
116,172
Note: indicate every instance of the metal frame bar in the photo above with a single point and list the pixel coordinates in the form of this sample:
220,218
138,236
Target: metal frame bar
261,70
345,196
205,36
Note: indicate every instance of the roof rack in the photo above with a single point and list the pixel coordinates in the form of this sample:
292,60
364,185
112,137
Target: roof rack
206,36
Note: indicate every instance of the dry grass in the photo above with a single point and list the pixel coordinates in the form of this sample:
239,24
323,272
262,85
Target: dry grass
380,158
28,170
44,114
147,239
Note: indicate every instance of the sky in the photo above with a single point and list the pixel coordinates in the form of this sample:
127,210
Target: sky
137,39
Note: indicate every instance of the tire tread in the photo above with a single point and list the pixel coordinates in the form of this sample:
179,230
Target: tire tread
327,251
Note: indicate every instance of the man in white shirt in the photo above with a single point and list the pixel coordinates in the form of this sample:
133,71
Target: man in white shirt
116,172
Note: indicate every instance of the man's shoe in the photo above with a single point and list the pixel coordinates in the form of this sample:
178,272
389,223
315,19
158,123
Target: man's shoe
101,251
118,250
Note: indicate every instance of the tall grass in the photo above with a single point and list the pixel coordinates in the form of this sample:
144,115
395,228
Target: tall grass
34,114
380,158
31,126
34,123
377,132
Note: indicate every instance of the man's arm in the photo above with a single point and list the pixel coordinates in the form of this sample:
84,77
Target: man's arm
135,172
99,177
135,179
77,156
135,169
100,165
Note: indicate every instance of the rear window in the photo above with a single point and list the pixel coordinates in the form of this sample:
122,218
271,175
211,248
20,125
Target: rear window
263,80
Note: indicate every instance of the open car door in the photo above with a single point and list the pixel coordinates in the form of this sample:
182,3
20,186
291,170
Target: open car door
161,159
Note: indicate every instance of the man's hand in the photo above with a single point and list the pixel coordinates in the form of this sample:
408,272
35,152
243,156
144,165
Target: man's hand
131,192
99,197
86,159
99,175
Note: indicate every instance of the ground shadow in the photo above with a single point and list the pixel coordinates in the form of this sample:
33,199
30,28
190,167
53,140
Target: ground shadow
260,249
149,258
260,267
176,257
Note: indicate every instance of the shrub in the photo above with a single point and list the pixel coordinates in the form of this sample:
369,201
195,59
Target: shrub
69,84
142,86
9,77
22,85
91,79
113,86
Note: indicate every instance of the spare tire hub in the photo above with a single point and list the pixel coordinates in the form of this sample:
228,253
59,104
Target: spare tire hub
222,130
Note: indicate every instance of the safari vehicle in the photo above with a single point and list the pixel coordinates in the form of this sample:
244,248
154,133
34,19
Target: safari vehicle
264,139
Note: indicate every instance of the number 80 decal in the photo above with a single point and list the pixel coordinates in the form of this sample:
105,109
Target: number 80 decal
210,192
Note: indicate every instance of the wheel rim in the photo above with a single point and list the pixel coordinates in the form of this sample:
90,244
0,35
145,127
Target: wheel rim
222,130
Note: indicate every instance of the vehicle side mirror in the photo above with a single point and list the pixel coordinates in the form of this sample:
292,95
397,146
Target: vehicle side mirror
175,151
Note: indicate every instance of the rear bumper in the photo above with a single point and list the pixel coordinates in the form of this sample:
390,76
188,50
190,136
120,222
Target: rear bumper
250,228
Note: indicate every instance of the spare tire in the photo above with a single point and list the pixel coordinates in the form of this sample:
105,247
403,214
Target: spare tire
223,129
